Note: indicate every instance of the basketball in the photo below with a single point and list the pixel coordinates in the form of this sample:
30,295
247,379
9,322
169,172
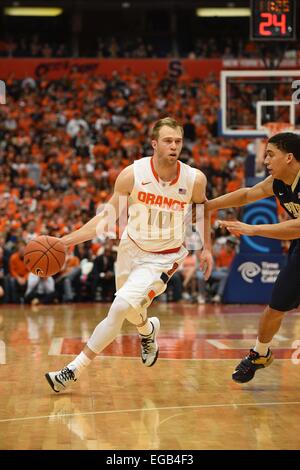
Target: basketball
45,256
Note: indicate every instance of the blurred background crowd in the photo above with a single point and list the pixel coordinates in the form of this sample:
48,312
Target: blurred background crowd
63,142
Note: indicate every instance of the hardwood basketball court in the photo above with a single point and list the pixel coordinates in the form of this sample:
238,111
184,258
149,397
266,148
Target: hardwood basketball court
186,401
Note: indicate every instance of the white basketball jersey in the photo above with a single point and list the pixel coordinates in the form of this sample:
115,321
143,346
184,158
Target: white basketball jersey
157,209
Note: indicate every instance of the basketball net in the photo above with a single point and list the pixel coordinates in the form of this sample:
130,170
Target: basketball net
271,128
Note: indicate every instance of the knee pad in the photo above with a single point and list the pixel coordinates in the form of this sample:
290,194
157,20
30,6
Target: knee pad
118,310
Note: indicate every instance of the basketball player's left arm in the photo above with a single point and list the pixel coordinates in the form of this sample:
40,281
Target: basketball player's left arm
199,197
287,230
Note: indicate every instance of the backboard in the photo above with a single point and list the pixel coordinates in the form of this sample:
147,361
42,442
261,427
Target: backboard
252,98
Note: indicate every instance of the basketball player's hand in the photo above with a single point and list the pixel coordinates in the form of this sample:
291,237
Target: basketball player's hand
238,228
206,263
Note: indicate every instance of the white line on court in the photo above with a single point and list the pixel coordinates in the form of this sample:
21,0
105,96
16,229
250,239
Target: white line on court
217,344
2,352
280,337
162,408
55,347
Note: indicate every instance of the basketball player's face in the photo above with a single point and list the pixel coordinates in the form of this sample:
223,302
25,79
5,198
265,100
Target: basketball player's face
277,161
168,146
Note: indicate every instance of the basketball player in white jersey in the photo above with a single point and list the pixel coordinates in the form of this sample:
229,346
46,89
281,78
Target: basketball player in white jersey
158,190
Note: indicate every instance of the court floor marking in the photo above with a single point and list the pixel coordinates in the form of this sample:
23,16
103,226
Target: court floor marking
218,344
175,358
225,314
2,352
280,337
163,421
162,408
56,345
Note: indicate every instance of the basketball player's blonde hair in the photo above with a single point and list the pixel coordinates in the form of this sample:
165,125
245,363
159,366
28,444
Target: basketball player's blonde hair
167,121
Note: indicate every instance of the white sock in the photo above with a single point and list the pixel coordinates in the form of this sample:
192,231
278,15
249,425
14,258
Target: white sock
146,329
261,348
79,363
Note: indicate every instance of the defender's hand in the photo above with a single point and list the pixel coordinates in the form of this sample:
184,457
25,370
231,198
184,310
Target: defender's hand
206,263
238,228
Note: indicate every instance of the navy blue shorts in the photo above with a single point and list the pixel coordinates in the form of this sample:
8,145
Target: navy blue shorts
286,290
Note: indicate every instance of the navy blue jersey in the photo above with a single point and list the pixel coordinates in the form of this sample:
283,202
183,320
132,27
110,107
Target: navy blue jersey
288,196
286,290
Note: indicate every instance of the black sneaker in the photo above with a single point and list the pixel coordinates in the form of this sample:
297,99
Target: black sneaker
246,369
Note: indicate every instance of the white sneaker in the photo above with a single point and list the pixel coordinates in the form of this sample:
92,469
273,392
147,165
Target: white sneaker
149,346
186,296
60,379
201,299
216,299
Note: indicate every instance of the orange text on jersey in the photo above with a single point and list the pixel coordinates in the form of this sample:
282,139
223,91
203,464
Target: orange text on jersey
162,201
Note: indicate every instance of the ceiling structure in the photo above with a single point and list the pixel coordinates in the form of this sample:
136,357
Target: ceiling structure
127,4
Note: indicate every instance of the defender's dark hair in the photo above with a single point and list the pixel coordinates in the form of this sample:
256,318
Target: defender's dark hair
287,142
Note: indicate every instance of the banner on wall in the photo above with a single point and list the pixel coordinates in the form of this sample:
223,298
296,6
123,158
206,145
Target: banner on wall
55,68
252,277
175,68
255,268
260,212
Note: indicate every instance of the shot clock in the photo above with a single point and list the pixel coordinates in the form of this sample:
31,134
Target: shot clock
273,20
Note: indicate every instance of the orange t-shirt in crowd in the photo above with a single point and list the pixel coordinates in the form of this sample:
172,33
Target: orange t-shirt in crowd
17,266
224,258
71,263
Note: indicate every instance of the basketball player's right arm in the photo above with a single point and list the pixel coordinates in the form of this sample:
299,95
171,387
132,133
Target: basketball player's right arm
109,213
242,196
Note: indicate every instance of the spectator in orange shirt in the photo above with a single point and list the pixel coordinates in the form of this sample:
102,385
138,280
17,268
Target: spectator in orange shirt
18,273
4,288
223,263
226,254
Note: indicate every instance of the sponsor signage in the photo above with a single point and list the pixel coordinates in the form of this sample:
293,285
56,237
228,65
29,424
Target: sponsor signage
252,277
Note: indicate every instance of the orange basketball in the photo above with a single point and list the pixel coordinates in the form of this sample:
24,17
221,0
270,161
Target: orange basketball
45,256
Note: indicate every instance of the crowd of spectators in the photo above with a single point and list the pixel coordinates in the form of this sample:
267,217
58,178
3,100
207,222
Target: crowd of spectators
62,146
138,47
32,46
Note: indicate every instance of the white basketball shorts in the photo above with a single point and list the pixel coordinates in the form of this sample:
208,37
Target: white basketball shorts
141,276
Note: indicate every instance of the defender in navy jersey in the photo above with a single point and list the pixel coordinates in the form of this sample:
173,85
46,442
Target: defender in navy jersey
282,160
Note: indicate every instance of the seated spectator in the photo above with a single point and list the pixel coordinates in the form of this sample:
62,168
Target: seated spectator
4,288
18,274
85,254
40,290
189,280
223,260
174,287
103,274
68,278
